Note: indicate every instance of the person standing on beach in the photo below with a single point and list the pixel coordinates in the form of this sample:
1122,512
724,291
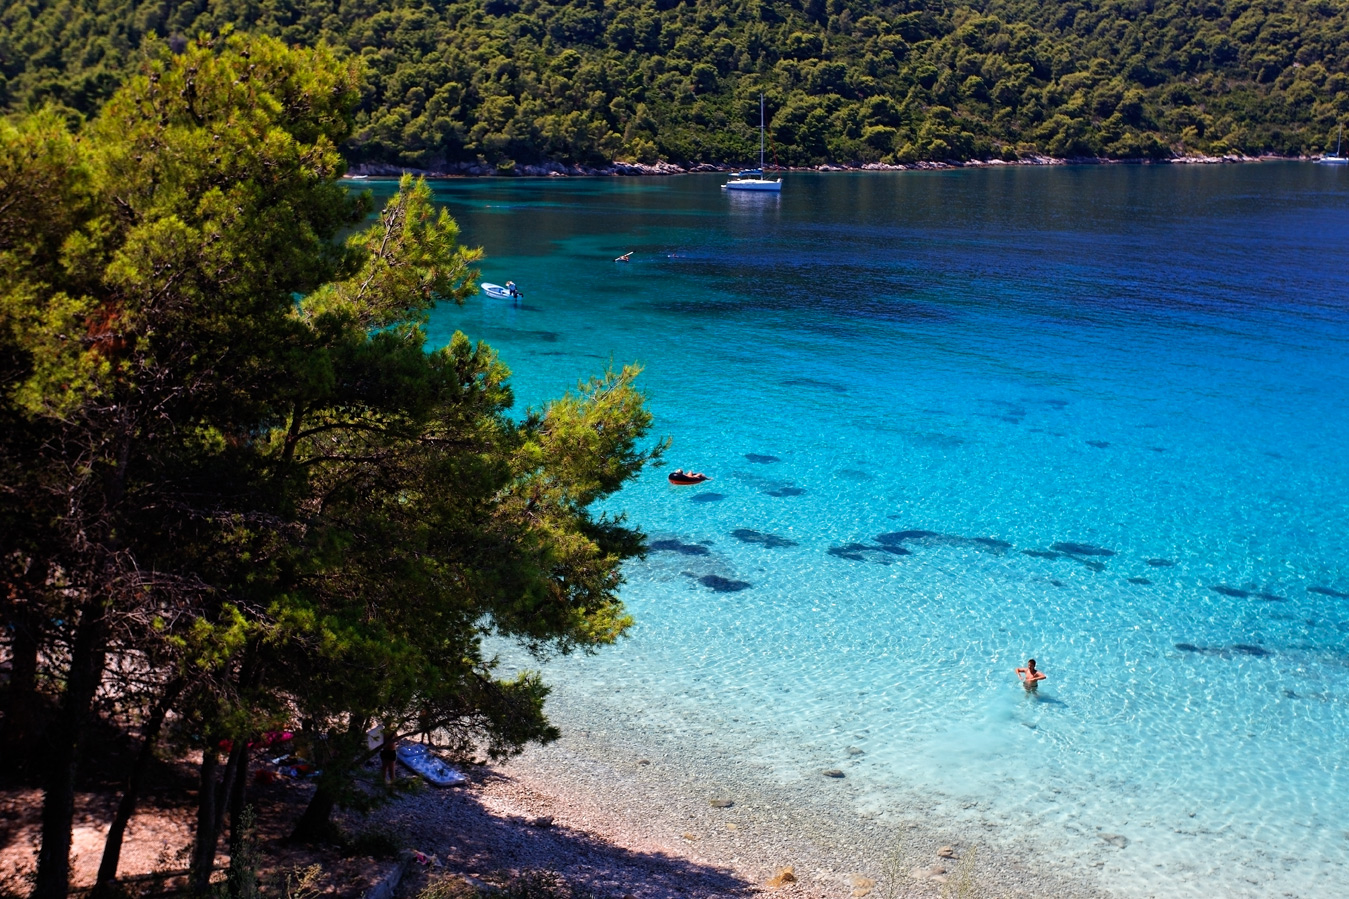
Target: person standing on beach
388,754
1030,676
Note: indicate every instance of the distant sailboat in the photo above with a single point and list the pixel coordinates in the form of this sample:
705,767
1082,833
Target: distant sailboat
1337,159
753,179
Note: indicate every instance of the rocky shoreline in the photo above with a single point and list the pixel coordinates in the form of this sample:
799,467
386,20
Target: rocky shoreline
638,169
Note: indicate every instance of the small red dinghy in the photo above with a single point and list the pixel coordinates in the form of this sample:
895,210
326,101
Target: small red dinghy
683,478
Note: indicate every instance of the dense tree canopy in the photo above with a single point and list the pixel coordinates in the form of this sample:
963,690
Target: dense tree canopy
237,488
847,80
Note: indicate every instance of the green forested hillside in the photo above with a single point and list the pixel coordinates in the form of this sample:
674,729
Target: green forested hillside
847,80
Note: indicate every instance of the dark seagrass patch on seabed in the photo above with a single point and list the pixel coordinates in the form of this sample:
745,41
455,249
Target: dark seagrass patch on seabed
771,541
1099,444
1250,649
707,497
867,552
678,546
1081,549
1161,563
758,459
718,584
818,385
1327,591
935,538
854,474
1235,592
991,543
785,491
1227,652
895,538
1141,581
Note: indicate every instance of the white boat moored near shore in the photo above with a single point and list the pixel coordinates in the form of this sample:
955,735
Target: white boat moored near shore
753,179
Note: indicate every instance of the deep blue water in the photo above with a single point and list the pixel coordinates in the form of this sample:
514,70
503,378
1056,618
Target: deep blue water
1094,415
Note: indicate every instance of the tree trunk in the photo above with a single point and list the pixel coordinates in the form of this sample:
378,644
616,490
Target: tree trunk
112,846
315,825
238,752
243,875
87,656
238,792
203,853
21,732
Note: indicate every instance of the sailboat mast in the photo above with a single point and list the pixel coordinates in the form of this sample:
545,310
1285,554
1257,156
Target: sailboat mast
761,135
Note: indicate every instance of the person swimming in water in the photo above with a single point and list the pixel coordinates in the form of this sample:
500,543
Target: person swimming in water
1030,675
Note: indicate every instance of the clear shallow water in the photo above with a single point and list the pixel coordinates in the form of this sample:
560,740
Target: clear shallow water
1146,361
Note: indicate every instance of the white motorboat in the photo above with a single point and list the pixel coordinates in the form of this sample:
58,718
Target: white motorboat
420,759
753,179
509,292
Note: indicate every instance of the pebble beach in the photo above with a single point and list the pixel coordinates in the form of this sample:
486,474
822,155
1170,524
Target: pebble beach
620,817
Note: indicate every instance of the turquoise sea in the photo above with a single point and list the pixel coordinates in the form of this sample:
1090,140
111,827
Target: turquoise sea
1094,415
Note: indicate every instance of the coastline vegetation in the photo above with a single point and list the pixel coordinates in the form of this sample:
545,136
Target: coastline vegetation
849,81
240,493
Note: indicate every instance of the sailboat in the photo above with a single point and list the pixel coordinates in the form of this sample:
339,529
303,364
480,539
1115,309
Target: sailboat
1337,159
753,179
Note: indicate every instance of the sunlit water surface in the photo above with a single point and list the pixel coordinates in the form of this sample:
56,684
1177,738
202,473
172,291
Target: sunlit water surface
1097,416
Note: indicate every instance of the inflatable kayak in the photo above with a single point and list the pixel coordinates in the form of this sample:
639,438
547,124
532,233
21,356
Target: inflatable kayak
430,766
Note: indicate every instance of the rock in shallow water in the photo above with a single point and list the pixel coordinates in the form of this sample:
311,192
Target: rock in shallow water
721,803
832,772
1119,841
946,852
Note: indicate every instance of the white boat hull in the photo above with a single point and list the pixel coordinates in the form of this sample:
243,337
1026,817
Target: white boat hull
1334,160
750,184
